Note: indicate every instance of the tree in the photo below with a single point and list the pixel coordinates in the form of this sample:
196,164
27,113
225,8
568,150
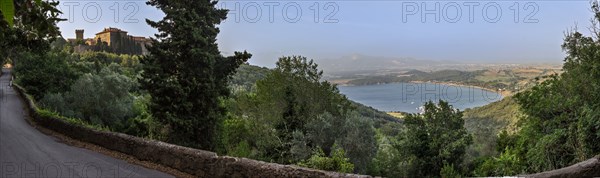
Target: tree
359,141
326,129
101,46
507,163
8,11
27,25
296,96
46,73
336,162
434,139
385,162
561,123
97,98
351,131
58,44
185,73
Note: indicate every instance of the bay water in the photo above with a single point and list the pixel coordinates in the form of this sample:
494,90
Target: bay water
408,97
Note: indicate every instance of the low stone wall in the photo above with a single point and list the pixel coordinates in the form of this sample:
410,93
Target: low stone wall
587,168
193,161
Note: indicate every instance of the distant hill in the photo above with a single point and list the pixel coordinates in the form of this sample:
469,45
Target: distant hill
358,62
415,72
417,75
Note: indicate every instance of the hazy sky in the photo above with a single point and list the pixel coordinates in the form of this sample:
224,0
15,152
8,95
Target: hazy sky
482,31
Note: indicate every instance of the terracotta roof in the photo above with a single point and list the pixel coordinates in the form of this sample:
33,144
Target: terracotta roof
110,29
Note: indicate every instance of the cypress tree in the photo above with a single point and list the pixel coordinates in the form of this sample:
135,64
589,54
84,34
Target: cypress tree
185,73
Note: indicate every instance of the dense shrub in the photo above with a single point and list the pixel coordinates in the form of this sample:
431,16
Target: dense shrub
337,162
560,125
45,73
101,98
433,139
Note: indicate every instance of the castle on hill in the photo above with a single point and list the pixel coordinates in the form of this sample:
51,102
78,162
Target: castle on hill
110,40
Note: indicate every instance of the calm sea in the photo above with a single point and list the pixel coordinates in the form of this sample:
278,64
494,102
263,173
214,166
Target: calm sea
408,97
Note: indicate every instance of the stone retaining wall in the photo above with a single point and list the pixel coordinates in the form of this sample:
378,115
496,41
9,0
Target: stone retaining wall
587,168
193,161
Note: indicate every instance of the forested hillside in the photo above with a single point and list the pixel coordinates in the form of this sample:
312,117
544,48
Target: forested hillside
558,123
416,75
486,123
247,76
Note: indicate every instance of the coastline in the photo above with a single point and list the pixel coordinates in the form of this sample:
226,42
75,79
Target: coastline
503,93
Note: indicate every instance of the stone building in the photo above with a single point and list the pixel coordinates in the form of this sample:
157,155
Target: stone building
79,34
114,38
110,36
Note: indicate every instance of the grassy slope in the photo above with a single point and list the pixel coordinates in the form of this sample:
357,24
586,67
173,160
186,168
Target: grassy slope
487,121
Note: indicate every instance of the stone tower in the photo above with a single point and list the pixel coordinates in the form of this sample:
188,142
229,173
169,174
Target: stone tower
79,34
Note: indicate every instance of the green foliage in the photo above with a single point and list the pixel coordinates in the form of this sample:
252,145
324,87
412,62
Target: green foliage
486,123
234,136
46,73
560,125
359,141
262,139
143,124
299,146
25,27
325,130
292,112
246,77
100,46
337,162
508,163
295,93
8,11
59,44
503,114
295,96
352,132
433,139
241,149
49,114
185,73
387,162
93,62
101,99
380,118
448,171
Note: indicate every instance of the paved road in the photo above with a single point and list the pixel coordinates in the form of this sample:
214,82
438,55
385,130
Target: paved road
26,152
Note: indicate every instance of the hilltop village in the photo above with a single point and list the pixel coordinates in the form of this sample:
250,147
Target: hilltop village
110,40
